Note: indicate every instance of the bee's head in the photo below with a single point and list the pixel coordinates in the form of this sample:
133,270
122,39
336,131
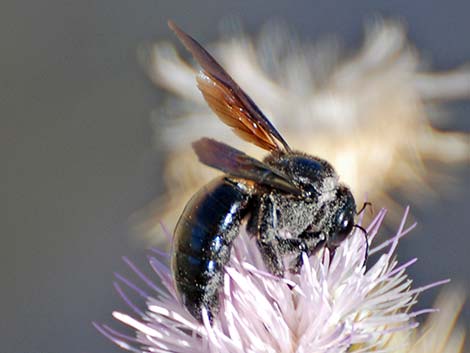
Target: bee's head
343,217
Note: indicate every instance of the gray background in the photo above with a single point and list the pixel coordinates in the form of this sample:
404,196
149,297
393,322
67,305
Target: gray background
77,145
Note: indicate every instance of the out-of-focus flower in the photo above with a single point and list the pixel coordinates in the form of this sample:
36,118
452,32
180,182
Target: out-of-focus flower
368,114
333,305
439,334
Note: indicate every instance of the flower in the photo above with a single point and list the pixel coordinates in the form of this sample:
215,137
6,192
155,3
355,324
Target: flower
439,334
335,303
369,111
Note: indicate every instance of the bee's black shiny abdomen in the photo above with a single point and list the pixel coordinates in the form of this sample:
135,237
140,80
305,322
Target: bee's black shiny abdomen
202,241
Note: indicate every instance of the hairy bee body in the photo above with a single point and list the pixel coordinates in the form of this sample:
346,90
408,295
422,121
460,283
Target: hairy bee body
293,204
283,224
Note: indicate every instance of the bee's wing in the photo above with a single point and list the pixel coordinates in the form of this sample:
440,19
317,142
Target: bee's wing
231,104
238,164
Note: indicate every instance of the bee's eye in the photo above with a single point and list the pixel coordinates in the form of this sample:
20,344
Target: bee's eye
344,223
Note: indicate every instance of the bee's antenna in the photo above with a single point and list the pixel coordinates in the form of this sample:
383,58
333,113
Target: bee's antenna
366,238
364,205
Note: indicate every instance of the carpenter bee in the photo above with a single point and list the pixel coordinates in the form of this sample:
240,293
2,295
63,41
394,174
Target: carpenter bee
292,203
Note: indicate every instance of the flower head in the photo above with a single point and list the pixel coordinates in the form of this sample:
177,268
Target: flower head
334,304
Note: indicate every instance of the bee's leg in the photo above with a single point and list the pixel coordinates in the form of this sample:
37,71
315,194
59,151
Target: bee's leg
308,243
292,246
296,265
267,240
271,256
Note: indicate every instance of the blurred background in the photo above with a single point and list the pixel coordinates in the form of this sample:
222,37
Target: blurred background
80,155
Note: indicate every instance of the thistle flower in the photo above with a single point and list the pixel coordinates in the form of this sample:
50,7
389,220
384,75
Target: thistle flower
439,334
335,304
367,111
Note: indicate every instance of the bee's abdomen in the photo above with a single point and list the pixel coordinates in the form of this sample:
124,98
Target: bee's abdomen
202,242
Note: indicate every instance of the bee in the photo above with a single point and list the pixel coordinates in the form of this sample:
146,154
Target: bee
291,202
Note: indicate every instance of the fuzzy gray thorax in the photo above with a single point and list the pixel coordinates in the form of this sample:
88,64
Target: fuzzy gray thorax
293,216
